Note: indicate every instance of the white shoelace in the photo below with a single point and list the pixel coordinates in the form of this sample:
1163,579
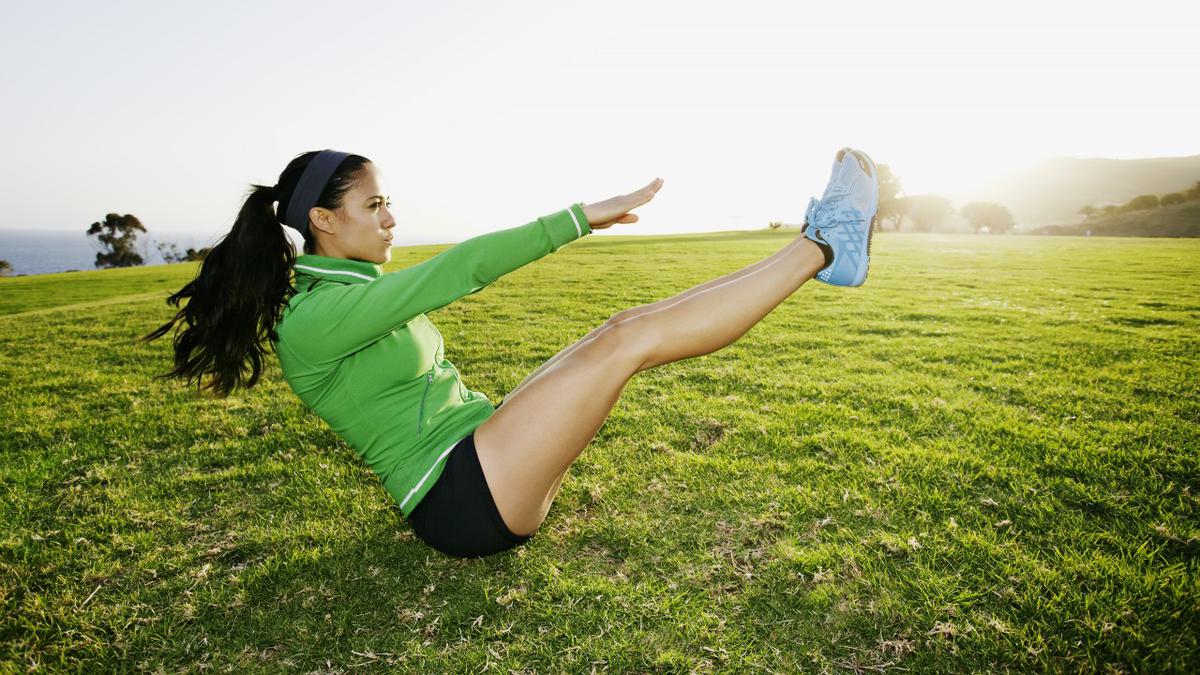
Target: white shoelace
826,214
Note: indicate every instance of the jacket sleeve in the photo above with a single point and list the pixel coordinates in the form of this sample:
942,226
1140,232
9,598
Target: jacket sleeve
339,320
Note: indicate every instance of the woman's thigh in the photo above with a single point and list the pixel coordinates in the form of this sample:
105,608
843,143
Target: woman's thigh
527,444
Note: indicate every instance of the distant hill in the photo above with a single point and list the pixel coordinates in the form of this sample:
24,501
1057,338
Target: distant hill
1179,220
1051,192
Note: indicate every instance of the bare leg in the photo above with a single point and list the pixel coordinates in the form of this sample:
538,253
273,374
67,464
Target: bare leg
629,313
642,309
527,445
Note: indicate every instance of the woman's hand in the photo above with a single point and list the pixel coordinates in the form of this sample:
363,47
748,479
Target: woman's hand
616,210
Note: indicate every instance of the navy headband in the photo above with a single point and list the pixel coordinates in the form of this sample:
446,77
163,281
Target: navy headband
309,187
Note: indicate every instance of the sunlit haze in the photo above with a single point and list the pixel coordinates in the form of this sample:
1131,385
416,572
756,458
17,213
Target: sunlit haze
487,115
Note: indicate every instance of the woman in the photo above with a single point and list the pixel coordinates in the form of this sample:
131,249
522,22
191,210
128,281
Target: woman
358,348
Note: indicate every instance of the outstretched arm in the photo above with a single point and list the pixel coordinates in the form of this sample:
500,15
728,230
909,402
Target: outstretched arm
333,321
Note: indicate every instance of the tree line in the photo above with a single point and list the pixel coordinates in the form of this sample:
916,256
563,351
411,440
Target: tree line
927,212
1142,203
117,235
1175,214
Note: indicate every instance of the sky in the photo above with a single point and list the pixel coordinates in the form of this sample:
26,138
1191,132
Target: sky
482,116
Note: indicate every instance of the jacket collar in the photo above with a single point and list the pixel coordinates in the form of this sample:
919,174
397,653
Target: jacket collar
345,270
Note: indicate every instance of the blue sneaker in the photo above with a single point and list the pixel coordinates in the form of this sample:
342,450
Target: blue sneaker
844,218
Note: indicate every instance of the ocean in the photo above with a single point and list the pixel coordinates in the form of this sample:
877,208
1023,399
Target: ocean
41,252
49,251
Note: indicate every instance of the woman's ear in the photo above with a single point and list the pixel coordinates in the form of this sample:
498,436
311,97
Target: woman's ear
322,219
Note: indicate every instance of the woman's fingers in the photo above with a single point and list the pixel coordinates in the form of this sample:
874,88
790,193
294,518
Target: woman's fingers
646,193
616,210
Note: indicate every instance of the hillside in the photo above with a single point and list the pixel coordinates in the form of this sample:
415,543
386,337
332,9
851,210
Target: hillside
1180,220
1052,191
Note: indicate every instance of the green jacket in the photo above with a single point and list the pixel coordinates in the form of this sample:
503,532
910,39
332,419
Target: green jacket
357,348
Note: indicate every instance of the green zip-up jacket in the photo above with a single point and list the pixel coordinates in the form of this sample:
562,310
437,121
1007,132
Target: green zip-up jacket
357,348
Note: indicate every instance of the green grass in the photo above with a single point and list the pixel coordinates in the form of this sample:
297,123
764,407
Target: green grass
44,291
985,459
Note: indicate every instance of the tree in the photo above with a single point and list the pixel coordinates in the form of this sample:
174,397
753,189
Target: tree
988,216
118,238
1141,202
5,268
775,224
1172,199
929,211
170,253
1193,193
891,205
898,210
1088,211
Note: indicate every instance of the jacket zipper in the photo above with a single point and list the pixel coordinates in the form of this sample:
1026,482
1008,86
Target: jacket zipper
421,413
458,376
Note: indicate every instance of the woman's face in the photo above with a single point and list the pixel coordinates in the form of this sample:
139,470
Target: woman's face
362,228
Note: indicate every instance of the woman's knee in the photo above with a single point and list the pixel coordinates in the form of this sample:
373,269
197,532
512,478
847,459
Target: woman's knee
634,312
624,342
621,316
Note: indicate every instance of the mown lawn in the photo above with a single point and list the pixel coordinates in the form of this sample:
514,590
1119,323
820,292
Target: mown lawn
985,459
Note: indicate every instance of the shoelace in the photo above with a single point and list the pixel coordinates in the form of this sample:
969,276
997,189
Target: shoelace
825,212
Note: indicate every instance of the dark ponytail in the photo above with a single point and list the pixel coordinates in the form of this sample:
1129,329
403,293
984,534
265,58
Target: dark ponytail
244,283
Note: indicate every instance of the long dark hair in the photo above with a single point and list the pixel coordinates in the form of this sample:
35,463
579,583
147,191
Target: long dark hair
244,283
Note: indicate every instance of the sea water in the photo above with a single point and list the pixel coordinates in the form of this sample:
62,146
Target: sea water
48,251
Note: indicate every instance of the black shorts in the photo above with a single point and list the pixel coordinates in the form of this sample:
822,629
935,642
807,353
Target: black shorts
458,515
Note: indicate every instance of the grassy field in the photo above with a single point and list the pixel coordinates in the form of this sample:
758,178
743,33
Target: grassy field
985,459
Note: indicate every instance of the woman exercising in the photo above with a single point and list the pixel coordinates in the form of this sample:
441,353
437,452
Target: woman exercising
357,346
